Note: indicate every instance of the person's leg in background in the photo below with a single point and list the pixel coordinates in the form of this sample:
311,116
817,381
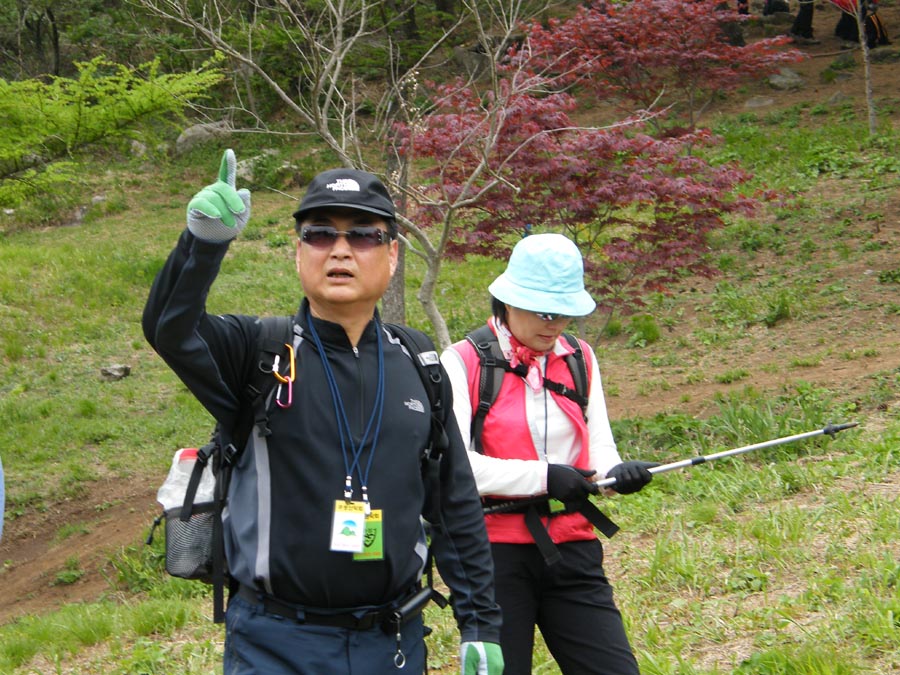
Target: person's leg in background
802,28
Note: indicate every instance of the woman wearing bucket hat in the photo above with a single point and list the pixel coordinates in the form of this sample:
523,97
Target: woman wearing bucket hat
540,437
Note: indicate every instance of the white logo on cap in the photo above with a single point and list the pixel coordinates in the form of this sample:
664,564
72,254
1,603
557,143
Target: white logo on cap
344,185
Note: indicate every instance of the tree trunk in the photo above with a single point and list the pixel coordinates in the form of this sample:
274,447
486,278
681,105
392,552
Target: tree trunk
54,41
245,75
410,25
867,66
426,298
36,28
393,304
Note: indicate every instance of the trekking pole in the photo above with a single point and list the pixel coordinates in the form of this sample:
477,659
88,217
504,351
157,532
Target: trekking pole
829,430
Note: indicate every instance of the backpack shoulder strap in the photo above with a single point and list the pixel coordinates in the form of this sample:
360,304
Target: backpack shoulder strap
424,355
272,344
578,367
493,367
274,335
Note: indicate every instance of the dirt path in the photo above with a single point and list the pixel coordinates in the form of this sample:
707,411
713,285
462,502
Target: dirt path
109,516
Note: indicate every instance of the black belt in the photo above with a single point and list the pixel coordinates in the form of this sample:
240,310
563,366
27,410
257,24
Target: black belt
352,620
385,617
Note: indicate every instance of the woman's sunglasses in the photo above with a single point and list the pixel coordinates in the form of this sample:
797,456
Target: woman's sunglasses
544,316
359,238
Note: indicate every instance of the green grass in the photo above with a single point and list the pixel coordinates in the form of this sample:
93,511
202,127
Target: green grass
782,561
770,559
818,143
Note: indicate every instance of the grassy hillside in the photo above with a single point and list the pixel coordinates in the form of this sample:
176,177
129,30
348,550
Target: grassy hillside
783,562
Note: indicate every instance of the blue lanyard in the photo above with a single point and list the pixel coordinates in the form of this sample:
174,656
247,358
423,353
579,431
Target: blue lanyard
344,430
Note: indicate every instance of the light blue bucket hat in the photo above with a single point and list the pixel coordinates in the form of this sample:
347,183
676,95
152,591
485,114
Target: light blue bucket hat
545,273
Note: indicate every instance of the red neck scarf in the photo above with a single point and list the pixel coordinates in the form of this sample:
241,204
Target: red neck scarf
529,358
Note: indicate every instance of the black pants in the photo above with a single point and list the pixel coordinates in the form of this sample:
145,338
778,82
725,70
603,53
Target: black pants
572,605
803,23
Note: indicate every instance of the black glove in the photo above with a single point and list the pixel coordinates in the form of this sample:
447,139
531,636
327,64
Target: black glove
568,484
630,476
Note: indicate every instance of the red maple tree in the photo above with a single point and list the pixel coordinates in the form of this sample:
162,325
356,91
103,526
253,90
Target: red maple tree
647,54
504,156
639,207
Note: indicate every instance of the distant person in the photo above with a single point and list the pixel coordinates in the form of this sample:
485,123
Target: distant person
876,34
535,441
802,28
846,28
342,452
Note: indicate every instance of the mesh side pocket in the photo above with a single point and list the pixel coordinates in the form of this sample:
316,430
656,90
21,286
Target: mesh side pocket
189,545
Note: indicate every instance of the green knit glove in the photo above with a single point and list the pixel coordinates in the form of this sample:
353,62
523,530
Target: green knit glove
219,212
480,658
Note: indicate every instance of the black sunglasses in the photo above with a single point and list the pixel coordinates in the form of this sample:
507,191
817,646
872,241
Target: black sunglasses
359,238
544,316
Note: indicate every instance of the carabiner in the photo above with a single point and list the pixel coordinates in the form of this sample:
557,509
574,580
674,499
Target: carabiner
290,393
278,376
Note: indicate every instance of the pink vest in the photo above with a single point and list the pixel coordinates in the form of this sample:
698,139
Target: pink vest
506,435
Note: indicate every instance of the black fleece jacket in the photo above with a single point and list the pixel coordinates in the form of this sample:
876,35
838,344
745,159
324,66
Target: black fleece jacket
283,491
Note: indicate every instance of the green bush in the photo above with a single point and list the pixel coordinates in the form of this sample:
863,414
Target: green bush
46,122
644,330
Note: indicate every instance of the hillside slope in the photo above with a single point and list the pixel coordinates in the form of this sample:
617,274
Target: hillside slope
842,333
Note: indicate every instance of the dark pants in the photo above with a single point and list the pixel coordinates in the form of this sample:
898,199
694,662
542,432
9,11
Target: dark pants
257,643
846,28
572,605
803,23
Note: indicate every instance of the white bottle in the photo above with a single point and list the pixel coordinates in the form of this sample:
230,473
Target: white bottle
171,493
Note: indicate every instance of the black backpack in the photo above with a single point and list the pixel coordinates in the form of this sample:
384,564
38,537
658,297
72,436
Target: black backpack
194,535
493,367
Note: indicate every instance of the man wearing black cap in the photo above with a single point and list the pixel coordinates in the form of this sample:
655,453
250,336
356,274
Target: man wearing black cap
343,450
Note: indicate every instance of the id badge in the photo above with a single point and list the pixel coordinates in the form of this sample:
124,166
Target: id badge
348,526
373,540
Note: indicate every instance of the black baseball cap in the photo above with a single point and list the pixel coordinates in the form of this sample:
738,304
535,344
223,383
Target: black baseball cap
349,188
